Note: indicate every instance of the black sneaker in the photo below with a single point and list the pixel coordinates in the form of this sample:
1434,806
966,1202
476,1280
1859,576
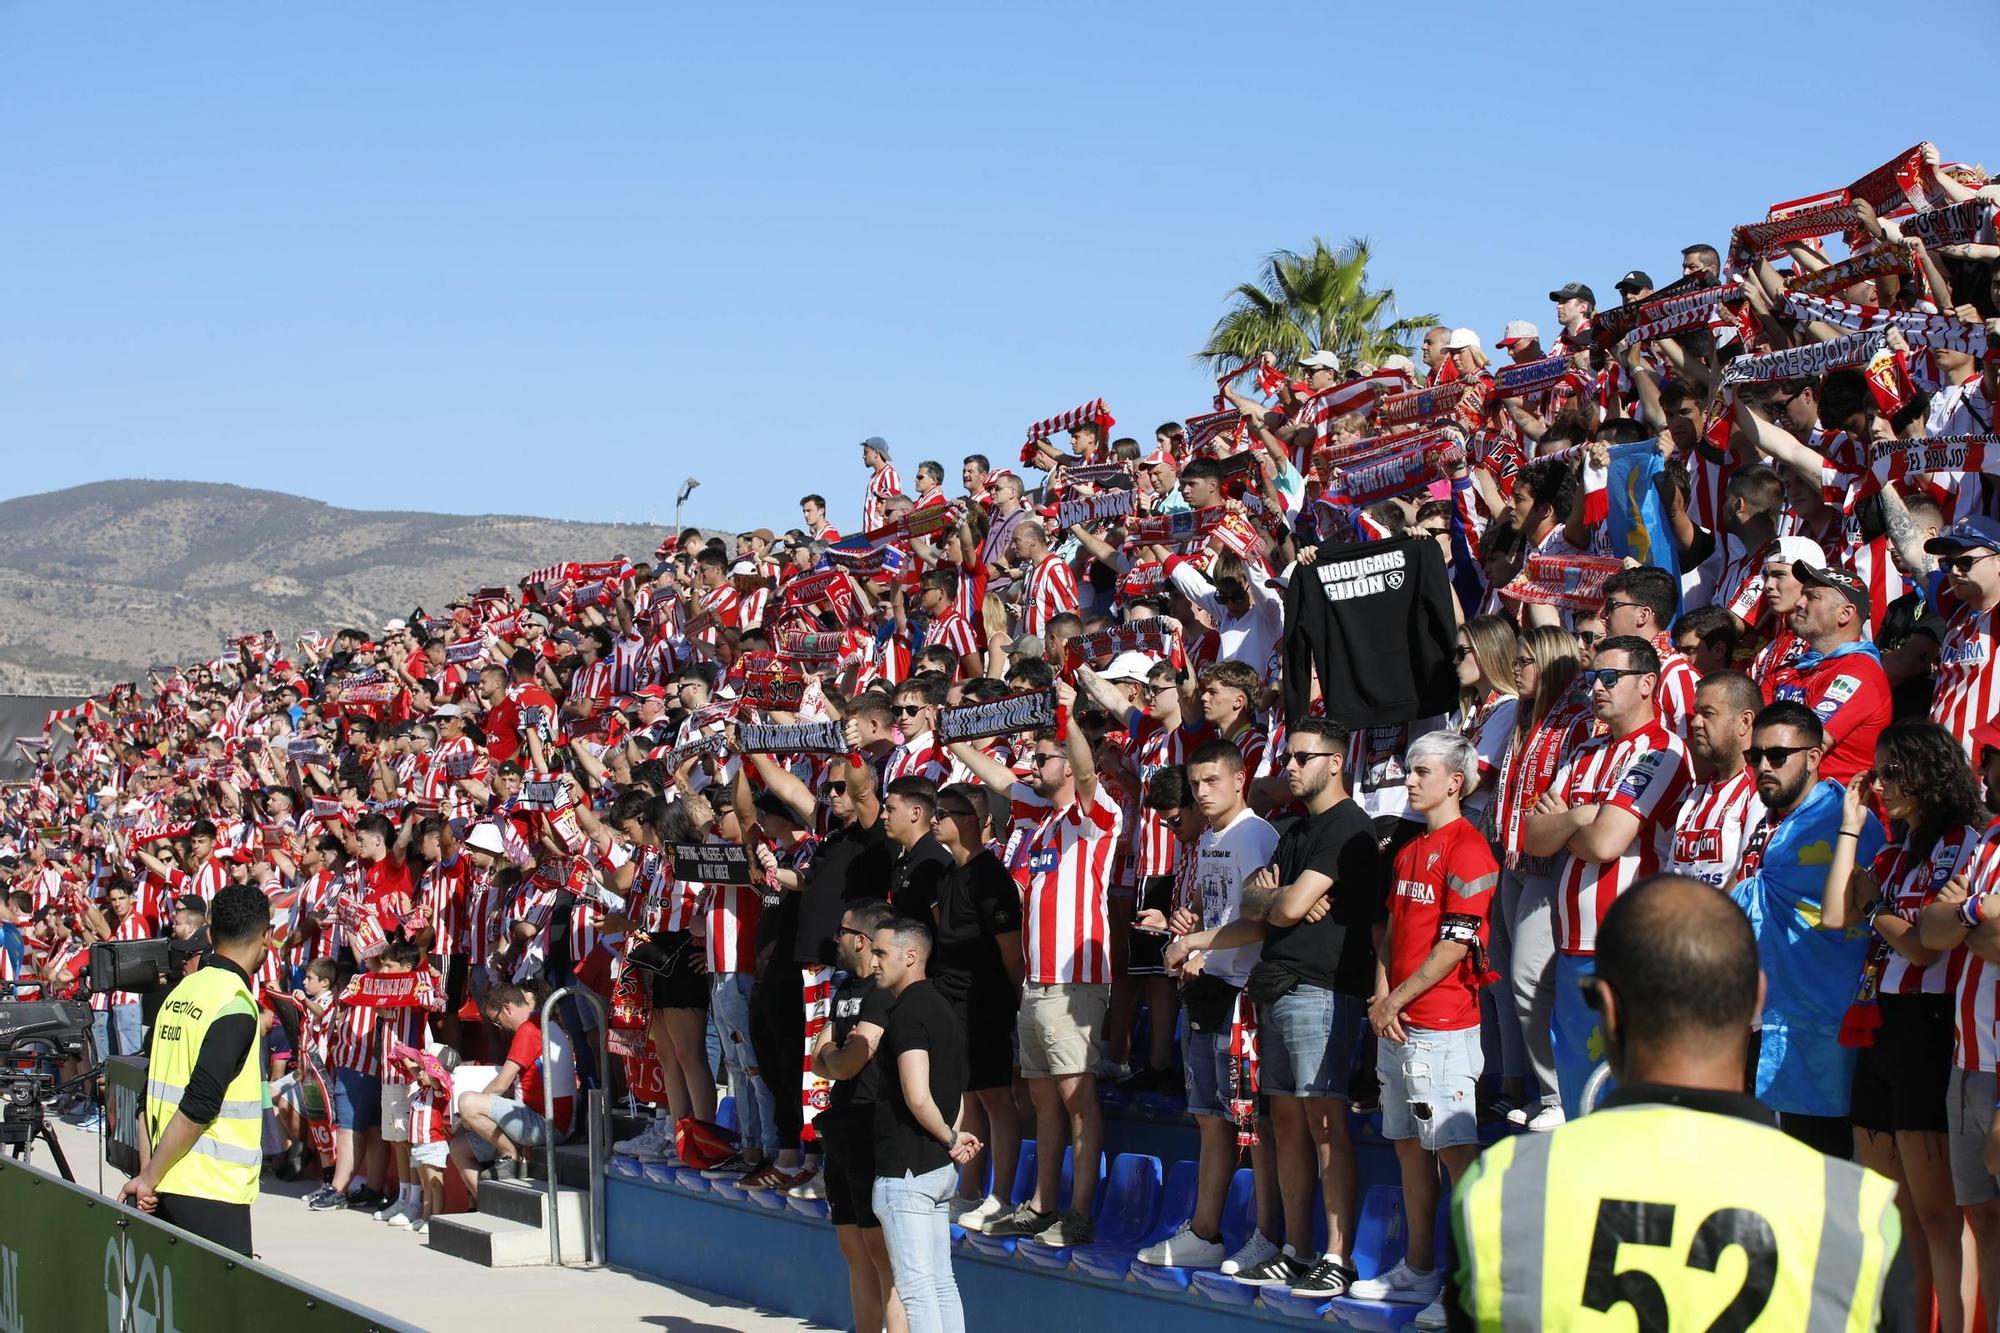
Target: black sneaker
367,1201
1325,1280
729,1168
1280,1270
1071,1228
326,1200
1023,1221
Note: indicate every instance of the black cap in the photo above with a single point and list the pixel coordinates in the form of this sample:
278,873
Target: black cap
1573,291
1841,581
1635,281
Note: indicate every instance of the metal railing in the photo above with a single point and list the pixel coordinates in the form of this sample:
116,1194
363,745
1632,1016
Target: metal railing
597,1131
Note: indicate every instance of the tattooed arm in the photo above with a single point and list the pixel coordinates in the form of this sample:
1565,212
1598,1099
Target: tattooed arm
1902,533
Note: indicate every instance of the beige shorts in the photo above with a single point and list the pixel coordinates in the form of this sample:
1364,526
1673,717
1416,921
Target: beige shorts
1060,1027
395,1113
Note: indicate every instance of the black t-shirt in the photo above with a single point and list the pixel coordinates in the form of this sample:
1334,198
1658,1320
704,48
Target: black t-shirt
1335,952
919,1020
975,902
858,1000
913,879
853,863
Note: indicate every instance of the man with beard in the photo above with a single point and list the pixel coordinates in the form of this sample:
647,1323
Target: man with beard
1708,835
1839,675
1803,1072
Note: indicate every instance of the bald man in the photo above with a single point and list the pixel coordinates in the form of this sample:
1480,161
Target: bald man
1679,1160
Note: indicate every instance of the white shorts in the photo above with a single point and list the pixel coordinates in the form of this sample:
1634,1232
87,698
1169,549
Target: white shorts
430,1154
395,1113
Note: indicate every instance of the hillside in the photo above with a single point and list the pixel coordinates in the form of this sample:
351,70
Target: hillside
97,582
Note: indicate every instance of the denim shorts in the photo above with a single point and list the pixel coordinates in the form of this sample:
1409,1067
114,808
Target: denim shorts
1428,1086
357,1099
1205,1058
523,1127
1307,1041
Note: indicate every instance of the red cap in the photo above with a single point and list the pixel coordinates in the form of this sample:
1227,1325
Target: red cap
649,692
1985,736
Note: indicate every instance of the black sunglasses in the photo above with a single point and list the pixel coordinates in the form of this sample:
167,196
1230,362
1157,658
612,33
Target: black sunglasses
1302,757
1586,637
909,710
1962,564
1779,755
836,788
1460,653
1608,677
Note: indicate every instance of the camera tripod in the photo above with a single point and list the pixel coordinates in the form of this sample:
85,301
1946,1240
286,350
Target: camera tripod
19,1136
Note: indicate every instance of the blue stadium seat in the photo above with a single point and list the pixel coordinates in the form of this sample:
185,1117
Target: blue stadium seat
1024,1188
1380,1238
1110,1259
1239,1218
725,1114
1058,1256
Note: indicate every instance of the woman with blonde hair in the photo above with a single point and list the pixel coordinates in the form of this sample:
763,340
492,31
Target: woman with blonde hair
1550,719
1485,661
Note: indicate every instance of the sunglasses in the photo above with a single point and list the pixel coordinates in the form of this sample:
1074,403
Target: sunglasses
1608,677
1302,757
1890,772
1155,691
1962,564
1041,759
957,812
1520,662
1779,755
909,710
836,788
1460,653
1586,637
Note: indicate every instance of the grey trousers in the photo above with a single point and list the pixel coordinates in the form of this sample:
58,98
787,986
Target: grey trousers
1527,908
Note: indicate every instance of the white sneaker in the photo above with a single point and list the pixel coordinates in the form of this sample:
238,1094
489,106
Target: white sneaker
1546,1119
393,1208
405,1218
649,1142
1258,1249
1401,1285
812,1187
988,1209
1519,1115
420,1226
1432,1315
1184,1249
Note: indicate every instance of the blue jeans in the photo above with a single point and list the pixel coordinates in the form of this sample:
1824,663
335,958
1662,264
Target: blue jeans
916,1225
1577,1030
756,1112
1309,1040
118,1031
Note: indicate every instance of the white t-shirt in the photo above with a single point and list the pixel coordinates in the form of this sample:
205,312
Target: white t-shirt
1224,861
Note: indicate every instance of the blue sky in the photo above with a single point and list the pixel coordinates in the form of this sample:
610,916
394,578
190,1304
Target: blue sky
553,258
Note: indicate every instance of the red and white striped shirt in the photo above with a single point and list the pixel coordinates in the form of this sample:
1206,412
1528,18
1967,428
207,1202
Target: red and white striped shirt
440,788
481,920
952,630
352,1042
1646,774
593,682
1066,856
1048,591
752,607
924,758
1976,1008
1673,693
444,893
733,910
1968,670
1150,747
882,483
1709,833
1908,883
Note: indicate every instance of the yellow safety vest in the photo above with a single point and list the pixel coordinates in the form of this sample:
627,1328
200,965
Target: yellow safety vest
1657,1216
224,1162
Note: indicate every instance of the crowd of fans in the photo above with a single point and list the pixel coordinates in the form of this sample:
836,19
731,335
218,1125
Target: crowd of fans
1286,761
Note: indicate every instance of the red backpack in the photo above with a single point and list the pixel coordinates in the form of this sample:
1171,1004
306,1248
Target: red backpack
701,1144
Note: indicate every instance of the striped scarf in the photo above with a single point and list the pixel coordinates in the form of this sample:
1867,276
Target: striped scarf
1092,413
1243,1070
1943,333
1875,262
815,1092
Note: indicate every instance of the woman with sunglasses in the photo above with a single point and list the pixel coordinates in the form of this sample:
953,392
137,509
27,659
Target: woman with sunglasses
1901,1078
1550,719
1485,661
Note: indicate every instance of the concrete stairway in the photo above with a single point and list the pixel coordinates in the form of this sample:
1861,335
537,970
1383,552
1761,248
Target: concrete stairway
509,1230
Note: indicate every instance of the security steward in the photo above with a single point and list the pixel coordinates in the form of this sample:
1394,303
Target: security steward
205,1090
1679,1203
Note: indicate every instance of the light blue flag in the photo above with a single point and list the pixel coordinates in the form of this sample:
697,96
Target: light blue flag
1638,523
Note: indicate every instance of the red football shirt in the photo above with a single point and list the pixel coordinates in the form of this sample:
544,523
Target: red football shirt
1447,873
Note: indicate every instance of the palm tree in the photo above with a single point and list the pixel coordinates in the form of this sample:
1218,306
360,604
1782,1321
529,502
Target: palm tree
1306,302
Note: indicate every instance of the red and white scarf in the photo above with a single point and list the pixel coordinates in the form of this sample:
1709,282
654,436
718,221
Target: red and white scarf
815,1092
1090,414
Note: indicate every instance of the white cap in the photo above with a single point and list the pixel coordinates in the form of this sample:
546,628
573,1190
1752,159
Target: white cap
448,710
486,838
743,567
1320,360
1518,331
1794,549
1127,666
393,626
1398,362
1461,339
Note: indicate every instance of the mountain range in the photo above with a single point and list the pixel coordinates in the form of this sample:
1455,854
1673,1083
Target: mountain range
98,582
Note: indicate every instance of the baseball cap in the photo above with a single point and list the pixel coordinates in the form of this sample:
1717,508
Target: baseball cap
1320,360
1461,339
487,839
765,535
1635,281
1128,666
1157,457
393,626
1028,645
1985,736
743,567
1518,331
1841,581
1401,364
1968,534
878,444
649,692
1796,550
1573,291
447,710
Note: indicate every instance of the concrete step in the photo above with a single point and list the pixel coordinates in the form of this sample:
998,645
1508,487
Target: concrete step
527,1202
496,1242
572,1165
